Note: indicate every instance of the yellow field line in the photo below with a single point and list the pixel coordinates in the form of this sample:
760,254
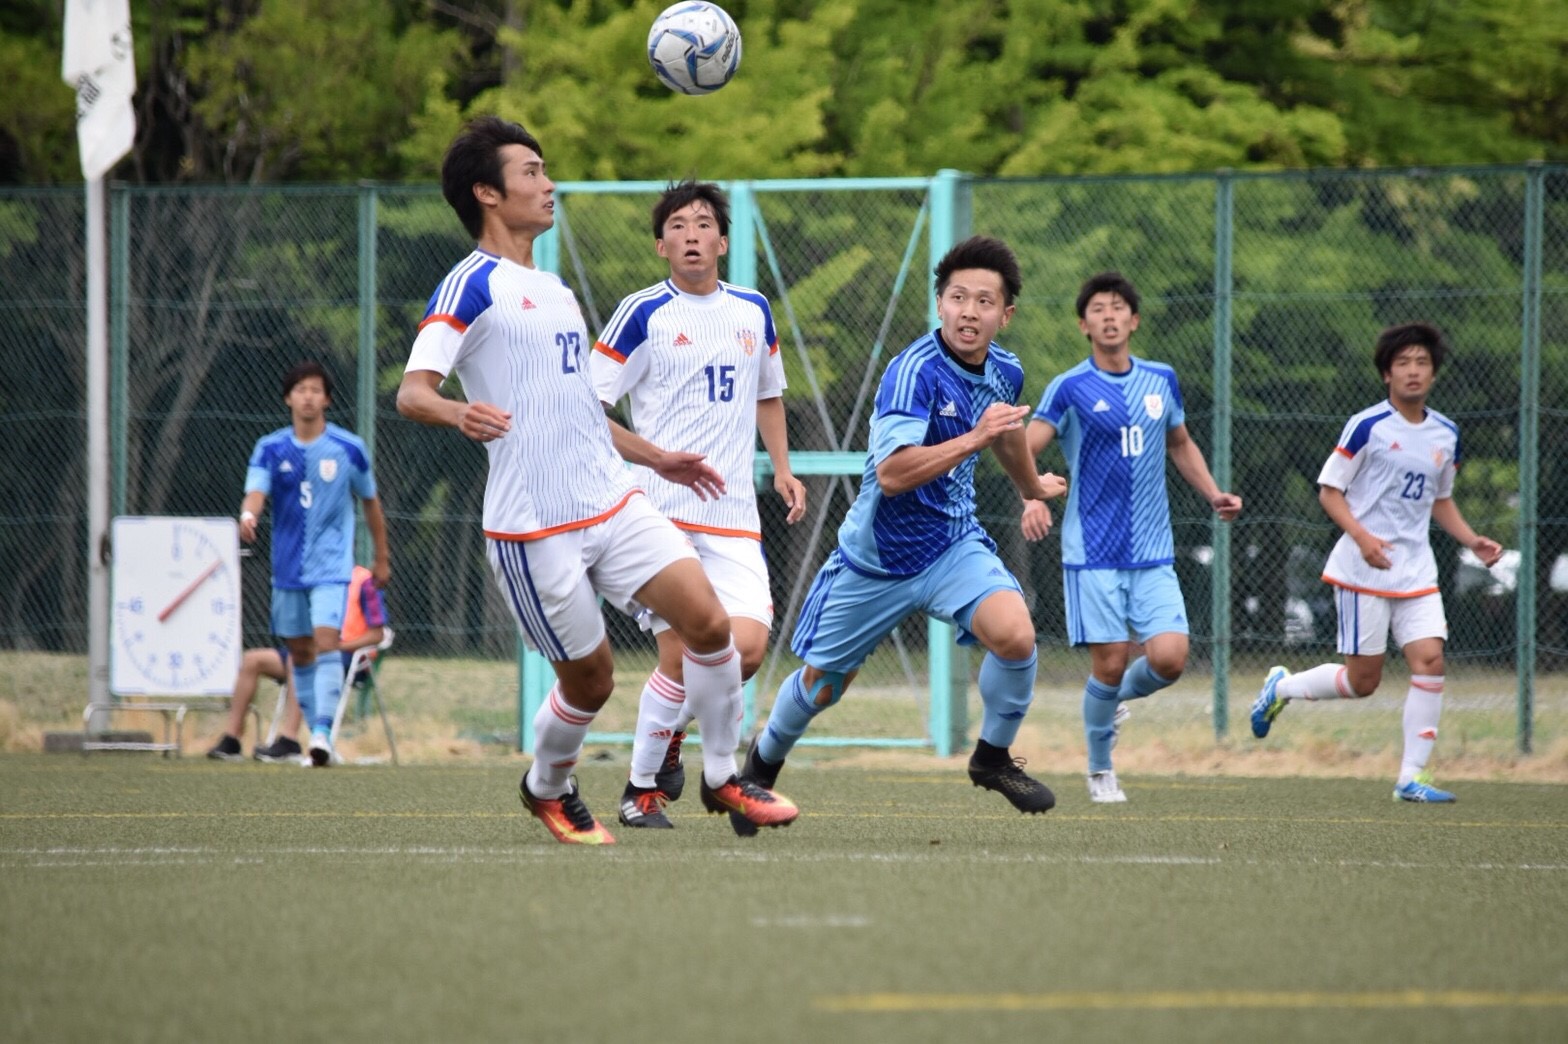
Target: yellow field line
900,1003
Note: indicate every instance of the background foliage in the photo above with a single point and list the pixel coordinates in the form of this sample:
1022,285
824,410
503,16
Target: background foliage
310,90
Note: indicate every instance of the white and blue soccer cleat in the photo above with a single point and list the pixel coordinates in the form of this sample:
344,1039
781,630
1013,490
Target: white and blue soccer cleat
1268,704
1421,790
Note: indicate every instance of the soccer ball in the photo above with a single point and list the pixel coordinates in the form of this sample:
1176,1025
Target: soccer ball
694,47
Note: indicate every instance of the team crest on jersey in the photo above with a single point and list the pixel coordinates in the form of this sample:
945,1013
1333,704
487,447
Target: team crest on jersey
1154,406
328,469
1438,456
747,341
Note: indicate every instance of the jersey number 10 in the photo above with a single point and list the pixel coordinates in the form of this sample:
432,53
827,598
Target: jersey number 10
1132,440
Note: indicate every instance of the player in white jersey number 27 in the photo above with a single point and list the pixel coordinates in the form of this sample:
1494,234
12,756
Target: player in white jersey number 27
563,521
1389,477
699,360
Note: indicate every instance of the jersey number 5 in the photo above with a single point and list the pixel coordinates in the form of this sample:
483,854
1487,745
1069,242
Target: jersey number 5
304,494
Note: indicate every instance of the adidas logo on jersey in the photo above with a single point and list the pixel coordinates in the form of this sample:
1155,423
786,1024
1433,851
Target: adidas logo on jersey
948,410
681,340
1102,407
285,466
1393,446
527,304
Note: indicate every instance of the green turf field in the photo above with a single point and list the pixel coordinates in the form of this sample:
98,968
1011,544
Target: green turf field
144,899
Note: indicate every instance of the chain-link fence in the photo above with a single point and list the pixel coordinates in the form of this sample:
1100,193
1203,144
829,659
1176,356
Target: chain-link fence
1265,293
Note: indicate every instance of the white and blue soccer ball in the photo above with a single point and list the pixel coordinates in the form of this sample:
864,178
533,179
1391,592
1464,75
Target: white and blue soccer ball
694,47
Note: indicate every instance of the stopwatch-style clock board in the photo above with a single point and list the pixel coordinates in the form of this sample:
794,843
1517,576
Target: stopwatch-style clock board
175,606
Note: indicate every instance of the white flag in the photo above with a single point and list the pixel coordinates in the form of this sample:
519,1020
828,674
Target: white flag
100,64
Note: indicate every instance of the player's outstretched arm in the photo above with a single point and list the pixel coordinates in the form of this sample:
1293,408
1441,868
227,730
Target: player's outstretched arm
686,469
376,522
1189,462
419,399
1446,514
913,466
773,428
250,511
1012,450
1374,549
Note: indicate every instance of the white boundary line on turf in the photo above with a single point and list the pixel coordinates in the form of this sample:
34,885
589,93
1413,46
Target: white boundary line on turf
54,857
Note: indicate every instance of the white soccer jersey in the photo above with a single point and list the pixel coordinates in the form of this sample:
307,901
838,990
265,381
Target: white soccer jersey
517,340
1391,472
695,368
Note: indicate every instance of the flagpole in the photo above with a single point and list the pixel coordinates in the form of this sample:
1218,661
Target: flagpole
97,454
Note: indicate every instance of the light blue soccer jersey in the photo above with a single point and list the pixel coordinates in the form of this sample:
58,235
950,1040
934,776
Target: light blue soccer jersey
925,398
312,488
1112,428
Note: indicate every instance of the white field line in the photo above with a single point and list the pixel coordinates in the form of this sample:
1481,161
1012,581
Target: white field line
112,856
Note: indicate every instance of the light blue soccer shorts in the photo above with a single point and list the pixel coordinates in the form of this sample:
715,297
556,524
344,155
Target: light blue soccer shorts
846,613
298,614
1103,604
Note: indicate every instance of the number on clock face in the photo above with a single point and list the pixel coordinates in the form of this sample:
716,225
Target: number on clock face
191,586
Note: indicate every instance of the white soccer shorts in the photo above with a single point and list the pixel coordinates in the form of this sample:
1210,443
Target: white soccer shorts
738,573
1365,620
553,584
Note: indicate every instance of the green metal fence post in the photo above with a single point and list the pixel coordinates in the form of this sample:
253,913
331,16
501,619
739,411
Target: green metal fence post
119,343
1219,575
365,414
1529,451
534,676
948,665
741,270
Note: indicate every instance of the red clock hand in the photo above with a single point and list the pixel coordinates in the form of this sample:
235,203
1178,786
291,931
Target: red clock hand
190,589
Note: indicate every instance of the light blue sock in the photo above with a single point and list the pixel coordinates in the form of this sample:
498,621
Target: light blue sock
792,712
304,688
1099,710
329,686
1006,690
1140,680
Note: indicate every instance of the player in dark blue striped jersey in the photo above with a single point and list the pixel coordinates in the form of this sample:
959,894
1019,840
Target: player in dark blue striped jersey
911,541
1114,414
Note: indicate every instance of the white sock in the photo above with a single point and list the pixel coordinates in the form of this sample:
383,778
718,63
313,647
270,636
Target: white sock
1326,681
559,729
713,694
659,714
1423,706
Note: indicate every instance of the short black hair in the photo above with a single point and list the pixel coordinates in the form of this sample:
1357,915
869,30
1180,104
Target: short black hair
1396,339
474,158
982,252
684,193
1111,282
299,371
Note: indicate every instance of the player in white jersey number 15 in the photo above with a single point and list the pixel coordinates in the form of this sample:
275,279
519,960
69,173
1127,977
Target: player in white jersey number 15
564,523
1388,479
699,360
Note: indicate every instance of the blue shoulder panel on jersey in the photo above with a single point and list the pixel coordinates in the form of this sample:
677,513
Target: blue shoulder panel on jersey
1363,431
900,390
465,292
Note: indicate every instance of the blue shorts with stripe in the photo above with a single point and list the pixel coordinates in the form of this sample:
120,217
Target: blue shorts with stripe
1104,604
848,612
297,614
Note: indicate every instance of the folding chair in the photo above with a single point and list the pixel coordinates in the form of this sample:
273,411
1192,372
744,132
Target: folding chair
359,676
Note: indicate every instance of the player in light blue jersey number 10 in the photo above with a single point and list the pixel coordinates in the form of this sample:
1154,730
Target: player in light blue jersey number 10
313,471
1116,417
911,541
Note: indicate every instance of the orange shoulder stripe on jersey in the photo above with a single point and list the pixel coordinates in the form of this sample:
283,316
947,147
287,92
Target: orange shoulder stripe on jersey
1344,452
451,320
692,527
564,527
604,349
1374,591
773,349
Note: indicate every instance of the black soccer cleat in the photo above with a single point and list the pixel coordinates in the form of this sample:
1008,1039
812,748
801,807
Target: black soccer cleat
763,773
226,749
671,777
1011,781
644,807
